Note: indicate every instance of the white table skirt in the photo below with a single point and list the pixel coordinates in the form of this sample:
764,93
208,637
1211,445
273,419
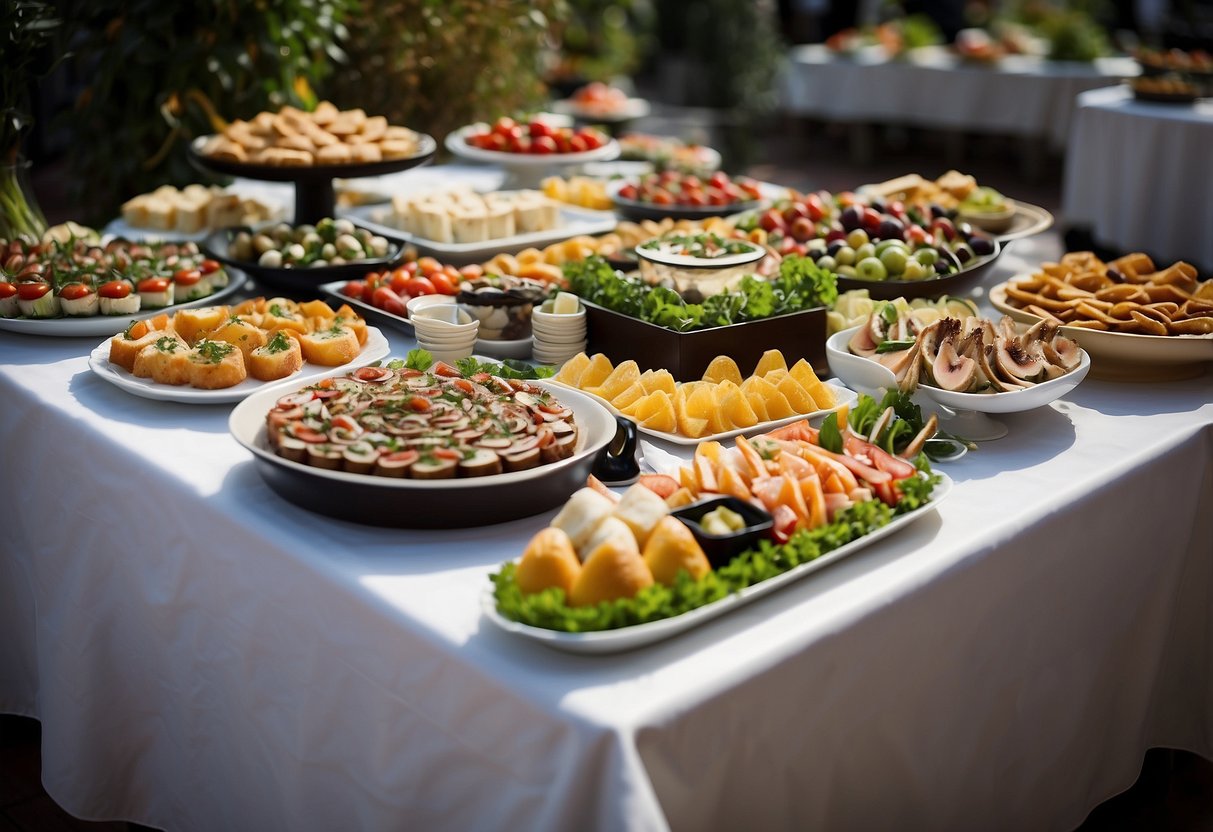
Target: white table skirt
1139,175
1019,96
205,656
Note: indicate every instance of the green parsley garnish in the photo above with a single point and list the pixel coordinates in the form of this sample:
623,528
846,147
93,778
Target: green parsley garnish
213,352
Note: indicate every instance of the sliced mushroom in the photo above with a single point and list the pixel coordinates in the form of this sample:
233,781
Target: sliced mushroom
481,463
953,370
1014,362
434,468
861,343
523,460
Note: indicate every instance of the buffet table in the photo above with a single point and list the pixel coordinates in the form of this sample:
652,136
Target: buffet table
204,655
1159,205
932,87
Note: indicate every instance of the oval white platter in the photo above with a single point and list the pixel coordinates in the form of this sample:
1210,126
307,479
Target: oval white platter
98,325
641,635
375,348
843,396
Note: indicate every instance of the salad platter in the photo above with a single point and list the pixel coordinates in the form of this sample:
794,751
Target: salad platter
642,635
375,348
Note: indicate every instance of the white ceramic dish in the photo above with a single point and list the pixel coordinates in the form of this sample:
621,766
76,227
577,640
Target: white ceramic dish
520,348
1127,355
870,376
456,142
99,325
641,635
842,394
376,347
631,110
574,223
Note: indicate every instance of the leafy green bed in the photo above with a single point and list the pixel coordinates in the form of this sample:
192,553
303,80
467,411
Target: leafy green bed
800,285
548,609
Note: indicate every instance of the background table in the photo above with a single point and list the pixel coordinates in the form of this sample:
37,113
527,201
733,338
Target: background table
205,656
1138,175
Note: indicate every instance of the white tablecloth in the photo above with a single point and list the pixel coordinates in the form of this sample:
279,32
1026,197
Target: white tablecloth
205,656
1140,175
1019,96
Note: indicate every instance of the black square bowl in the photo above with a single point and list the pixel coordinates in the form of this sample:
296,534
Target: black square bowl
722,548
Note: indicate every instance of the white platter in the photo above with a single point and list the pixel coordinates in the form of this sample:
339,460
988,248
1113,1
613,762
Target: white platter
120,228
376,347
641,635
1127,355
864,373
842,394
632,109
574,222
520,348
456,142
98,325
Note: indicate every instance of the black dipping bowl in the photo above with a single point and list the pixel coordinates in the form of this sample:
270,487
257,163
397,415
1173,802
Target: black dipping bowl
722,548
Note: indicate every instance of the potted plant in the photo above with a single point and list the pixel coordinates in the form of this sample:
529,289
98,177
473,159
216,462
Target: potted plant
28,31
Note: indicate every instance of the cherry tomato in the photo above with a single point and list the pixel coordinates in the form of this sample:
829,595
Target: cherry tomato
427,266
539,128
504,125
562,143
593,139
74,291
209,266
115,289
520,145
185,277
400,282
387,300
33,290
663,198
718,179
815,207
543,145
353,289
471,271
7,290
151,284
420,404
444,284
420,286
629,191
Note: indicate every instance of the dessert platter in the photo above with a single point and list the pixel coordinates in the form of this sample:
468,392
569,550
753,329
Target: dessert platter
81,288
311,149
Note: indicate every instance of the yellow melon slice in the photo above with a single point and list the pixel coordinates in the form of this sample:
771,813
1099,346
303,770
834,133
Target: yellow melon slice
596,372
771,360
620,379
797,396
570,373
822,393
654,380
723,368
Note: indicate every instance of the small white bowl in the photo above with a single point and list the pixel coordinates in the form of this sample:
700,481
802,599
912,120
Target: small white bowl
560,341
443,313
448,355
422,301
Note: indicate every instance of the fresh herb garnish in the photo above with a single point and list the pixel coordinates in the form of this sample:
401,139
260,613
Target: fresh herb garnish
418,359
893,346
213,352
830,437
167,343
278,343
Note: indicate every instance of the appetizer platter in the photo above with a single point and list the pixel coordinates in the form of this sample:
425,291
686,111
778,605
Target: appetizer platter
527,151
612,572
300,258
601,103
884,247
971,367
567,221
687,196
84,289
720,406
666,153
1136,320
405,466
219,354
189,213
311,149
